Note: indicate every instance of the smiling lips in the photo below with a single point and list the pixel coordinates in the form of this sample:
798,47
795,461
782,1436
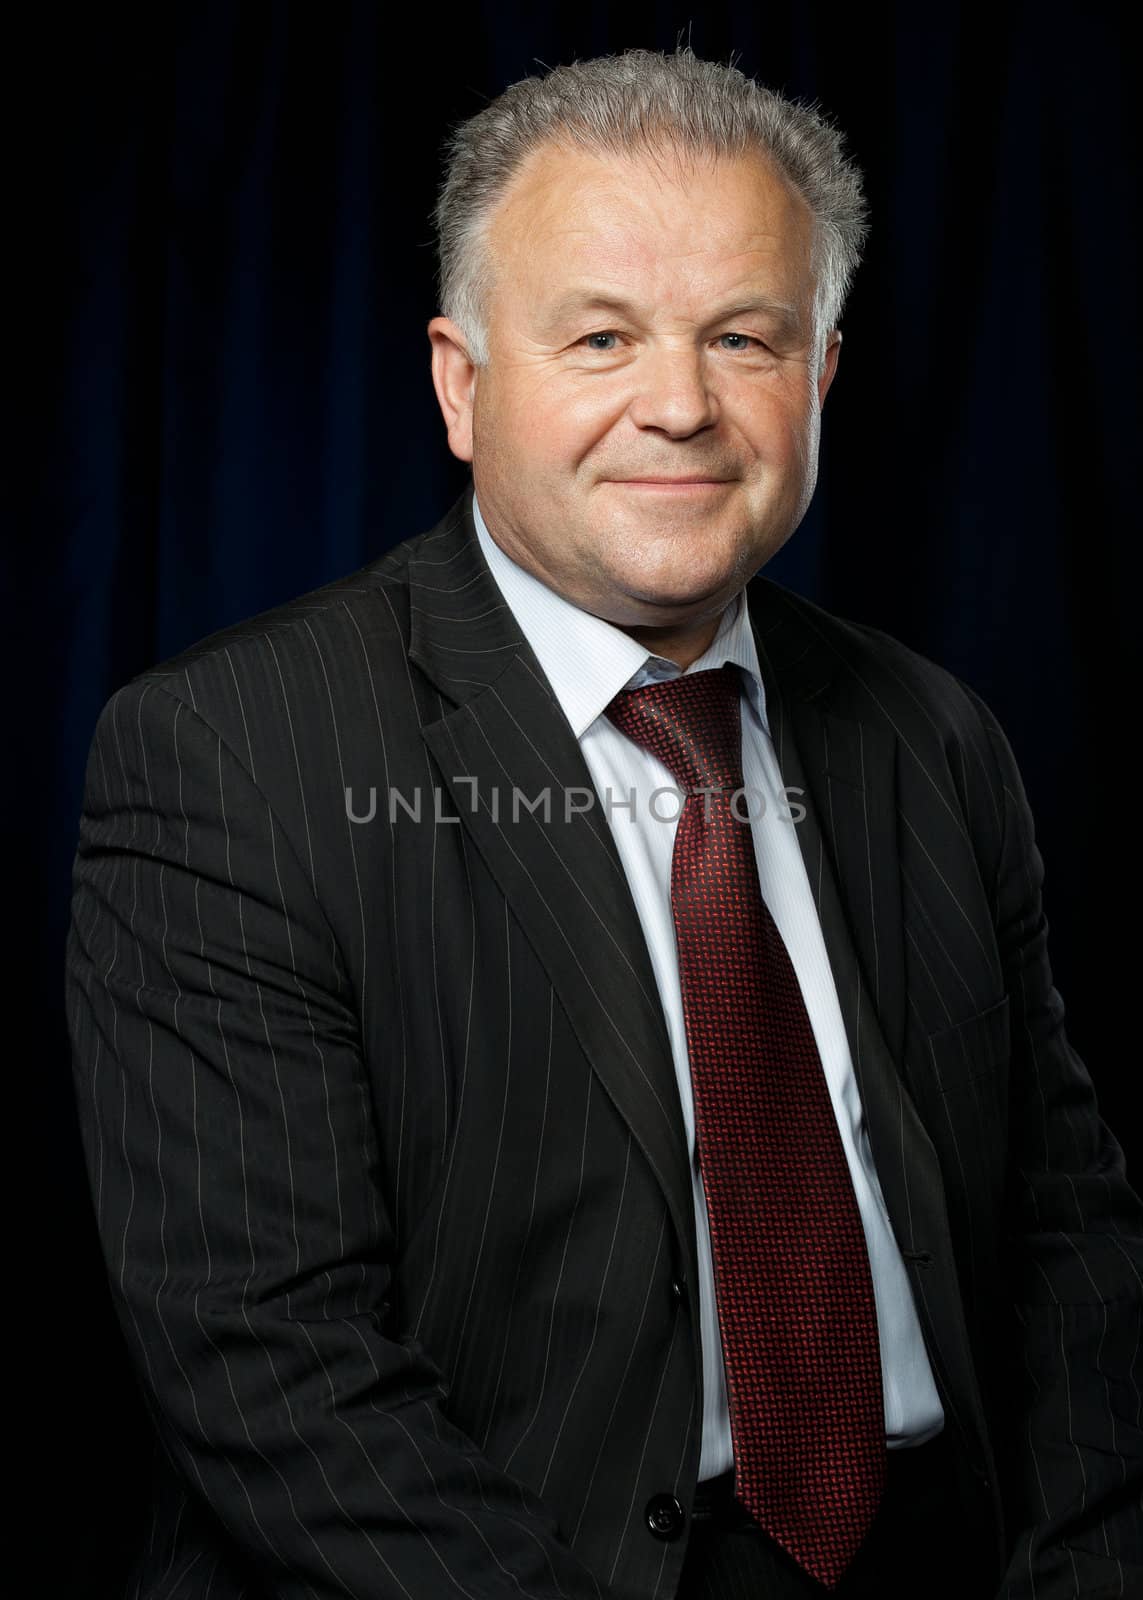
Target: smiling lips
672,483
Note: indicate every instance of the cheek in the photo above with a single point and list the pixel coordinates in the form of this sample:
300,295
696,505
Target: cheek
540,428
579,418
785,429
806,429
515,416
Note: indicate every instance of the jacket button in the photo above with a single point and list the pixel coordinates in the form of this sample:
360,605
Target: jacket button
665,1516
678,1291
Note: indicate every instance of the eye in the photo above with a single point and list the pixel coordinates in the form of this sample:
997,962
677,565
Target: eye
609,333
748,336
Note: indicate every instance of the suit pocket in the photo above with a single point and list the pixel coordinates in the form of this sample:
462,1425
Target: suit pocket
978,1047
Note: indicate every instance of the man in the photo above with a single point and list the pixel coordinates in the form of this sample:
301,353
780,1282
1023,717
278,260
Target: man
513,1183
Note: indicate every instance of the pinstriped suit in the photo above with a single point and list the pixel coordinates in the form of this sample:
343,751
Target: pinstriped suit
384,1137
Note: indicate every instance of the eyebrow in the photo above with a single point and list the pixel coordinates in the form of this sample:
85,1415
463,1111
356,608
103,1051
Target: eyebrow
594,300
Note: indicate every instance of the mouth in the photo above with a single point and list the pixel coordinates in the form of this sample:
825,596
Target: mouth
673,485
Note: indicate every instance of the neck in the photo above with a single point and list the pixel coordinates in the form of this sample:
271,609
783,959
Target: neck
683,643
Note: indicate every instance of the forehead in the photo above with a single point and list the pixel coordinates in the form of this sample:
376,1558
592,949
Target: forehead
569,213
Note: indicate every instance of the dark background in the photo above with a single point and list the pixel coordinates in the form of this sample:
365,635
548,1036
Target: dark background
230,403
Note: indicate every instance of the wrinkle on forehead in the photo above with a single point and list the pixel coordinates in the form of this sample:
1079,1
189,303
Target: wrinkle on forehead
538,196
548,237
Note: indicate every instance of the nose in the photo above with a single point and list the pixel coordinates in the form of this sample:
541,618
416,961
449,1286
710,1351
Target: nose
673,392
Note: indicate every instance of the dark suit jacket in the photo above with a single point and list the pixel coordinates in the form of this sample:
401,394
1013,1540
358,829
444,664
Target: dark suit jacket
384,1135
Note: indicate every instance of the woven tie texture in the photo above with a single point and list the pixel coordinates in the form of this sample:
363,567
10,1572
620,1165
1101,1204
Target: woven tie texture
792,1277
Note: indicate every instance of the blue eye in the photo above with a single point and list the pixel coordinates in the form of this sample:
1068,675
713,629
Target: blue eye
609,334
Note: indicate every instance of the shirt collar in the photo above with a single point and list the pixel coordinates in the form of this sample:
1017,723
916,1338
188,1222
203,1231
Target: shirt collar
588,661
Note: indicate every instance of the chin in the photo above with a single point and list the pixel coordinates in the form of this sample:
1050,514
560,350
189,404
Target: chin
687,580
682,593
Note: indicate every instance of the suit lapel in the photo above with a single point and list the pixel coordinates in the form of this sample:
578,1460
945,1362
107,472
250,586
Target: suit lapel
843,770
502,742
847,768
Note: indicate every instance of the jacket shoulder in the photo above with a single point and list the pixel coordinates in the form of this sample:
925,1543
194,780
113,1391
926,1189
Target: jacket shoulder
334,655
945,733
372,595
870,673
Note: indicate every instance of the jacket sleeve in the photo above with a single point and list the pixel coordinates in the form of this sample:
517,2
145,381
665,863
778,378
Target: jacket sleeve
228,1130
1071,1444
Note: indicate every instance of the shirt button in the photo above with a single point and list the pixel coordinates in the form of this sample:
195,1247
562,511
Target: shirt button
665,1516
678,1291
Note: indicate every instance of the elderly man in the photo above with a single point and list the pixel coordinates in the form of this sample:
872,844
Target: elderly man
575,1098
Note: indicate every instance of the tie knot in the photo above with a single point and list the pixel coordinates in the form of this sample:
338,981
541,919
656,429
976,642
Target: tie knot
692,723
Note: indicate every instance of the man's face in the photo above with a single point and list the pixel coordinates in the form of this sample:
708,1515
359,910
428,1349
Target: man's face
687,379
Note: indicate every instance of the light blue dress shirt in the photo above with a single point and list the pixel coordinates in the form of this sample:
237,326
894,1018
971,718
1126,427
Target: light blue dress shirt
588,661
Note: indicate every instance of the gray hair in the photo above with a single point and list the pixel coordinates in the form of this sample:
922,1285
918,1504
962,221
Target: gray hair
642,102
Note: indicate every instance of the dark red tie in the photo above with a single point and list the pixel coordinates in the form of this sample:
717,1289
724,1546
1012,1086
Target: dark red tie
792,1279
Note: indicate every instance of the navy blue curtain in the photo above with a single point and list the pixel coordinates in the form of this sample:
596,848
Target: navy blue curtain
231,404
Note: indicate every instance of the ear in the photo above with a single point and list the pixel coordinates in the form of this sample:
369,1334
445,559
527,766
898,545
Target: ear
454,379
829,365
